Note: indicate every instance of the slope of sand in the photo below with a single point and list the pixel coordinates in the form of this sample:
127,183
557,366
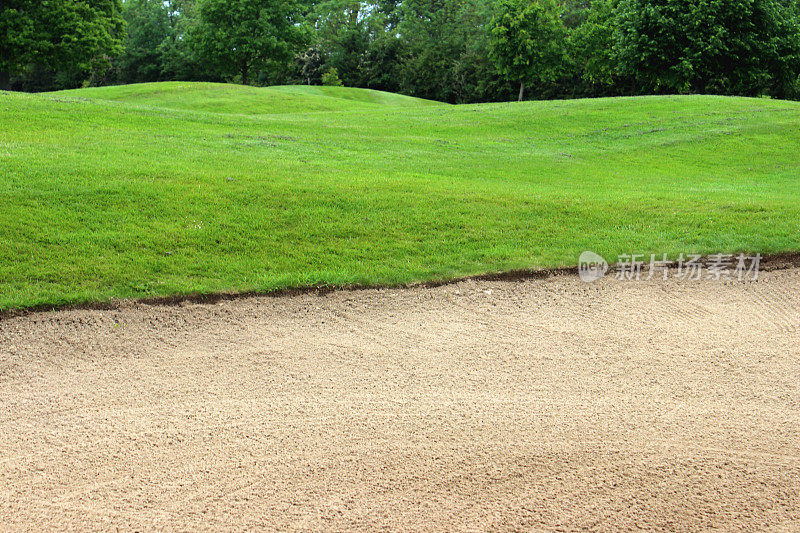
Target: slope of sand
544,404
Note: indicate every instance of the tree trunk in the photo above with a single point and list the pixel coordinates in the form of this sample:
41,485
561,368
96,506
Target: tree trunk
5,81
521,91
244,72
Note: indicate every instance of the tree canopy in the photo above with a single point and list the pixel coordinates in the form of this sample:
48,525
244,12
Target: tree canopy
68,41
237,37
746,47
449,50
528,41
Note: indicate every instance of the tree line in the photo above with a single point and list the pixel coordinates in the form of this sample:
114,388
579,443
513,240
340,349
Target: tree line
450,50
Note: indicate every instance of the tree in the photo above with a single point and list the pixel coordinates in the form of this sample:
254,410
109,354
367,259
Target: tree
331,78
148,25
431,46
592,47
342,36
240,37
381,62
311,65
443,48
527,41
476,75
744,47
71,38
178,58
156,46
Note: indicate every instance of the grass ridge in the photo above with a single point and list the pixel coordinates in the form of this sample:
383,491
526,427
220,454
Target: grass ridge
103,201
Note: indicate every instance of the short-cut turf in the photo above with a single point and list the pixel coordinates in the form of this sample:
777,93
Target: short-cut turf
241,99
135,198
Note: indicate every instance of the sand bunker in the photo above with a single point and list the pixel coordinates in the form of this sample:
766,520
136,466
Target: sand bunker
543,404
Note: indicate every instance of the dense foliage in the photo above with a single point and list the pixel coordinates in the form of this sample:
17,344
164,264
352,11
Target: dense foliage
527,42
58,43
450,50
747,47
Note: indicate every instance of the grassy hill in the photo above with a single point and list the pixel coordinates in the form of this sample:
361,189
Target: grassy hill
102,200
222,98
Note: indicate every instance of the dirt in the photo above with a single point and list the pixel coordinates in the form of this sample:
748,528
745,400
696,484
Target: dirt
501,405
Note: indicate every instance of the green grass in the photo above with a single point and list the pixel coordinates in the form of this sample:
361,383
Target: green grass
102,200
238,99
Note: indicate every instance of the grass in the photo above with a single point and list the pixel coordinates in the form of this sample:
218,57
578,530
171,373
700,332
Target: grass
238,99
154,194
